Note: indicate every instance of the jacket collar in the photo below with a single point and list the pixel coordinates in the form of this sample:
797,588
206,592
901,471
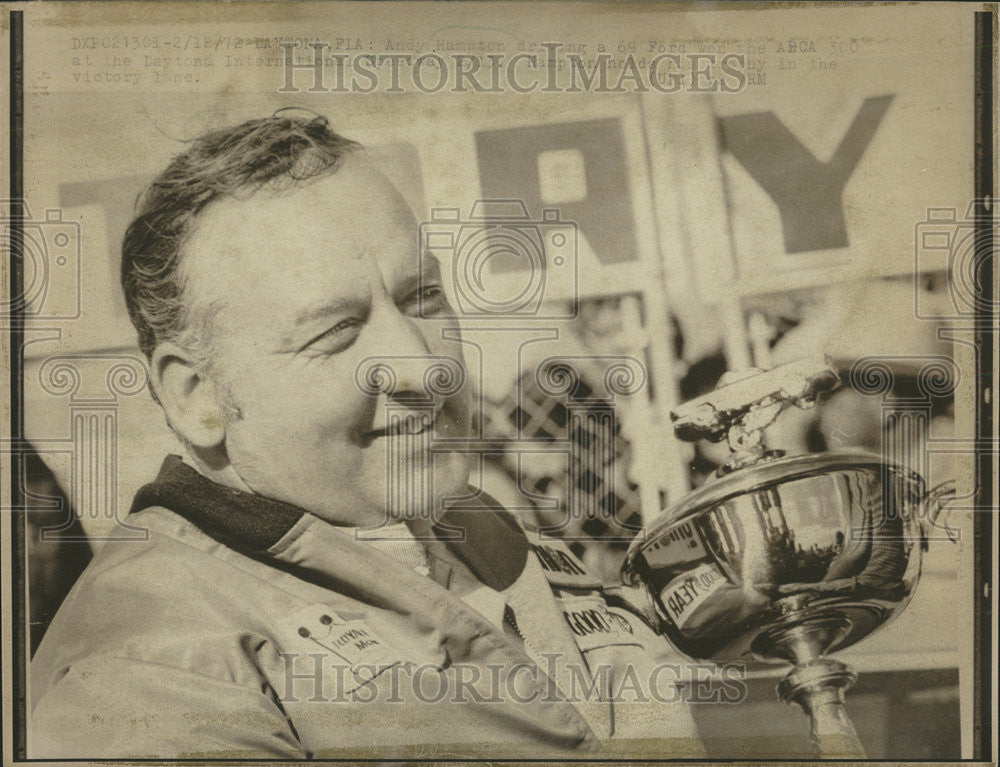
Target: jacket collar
478,530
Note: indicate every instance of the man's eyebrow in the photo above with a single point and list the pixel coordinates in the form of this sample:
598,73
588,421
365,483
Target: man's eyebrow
429,266
429,262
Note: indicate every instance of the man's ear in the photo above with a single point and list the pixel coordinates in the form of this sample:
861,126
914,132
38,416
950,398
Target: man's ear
188,397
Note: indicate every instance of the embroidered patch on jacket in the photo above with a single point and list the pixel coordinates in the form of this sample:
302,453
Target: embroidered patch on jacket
348,644
595,625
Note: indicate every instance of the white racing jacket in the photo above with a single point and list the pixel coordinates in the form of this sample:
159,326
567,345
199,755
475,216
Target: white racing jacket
242,627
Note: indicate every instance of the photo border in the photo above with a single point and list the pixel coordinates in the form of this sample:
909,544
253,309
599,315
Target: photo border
985,55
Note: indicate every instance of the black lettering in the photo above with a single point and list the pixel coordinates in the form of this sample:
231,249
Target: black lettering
543,557
674,606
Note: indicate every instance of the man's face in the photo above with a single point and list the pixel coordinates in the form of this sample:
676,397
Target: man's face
310,283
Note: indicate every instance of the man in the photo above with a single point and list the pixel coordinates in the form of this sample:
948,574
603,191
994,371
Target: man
319,579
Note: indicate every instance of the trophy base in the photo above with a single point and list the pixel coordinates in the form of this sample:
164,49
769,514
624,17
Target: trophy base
818,687
816,683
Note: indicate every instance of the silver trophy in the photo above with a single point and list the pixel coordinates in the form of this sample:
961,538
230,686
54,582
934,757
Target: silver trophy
784,559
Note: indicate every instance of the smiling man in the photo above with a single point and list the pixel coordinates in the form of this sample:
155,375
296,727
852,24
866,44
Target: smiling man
291,288
319,578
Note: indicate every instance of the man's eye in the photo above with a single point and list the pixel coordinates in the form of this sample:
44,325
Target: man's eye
336,339
342,326
432,293
429,300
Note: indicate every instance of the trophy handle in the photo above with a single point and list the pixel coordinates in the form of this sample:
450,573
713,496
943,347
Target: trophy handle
933,504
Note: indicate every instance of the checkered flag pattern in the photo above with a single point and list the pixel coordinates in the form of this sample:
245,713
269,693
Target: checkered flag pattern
586,497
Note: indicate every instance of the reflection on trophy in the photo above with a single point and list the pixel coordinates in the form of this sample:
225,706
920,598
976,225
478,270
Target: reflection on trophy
784,559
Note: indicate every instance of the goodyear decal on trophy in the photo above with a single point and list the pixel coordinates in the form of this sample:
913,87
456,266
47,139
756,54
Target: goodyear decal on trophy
682,596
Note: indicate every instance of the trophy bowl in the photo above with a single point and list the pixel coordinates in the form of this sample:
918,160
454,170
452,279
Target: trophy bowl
786,560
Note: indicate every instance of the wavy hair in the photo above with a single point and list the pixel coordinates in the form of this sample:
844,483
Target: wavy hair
276,151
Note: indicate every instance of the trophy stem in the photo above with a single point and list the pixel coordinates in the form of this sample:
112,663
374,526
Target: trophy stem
818,687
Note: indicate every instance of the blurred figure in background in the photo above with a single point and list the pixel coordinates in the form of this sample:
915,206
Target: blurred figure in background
57,548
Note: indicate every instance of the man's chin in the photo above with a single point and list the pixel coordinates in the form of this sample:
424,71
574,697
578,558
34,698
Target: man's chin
423,503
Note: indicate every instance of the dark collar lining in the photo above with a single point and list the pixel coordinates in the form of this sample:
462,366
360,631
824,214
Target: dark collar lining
494,547
243,521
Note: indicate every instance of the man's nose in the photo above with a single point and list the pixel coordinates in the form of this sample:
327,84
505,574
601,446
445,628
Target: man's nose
410,375
403,387
420,380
